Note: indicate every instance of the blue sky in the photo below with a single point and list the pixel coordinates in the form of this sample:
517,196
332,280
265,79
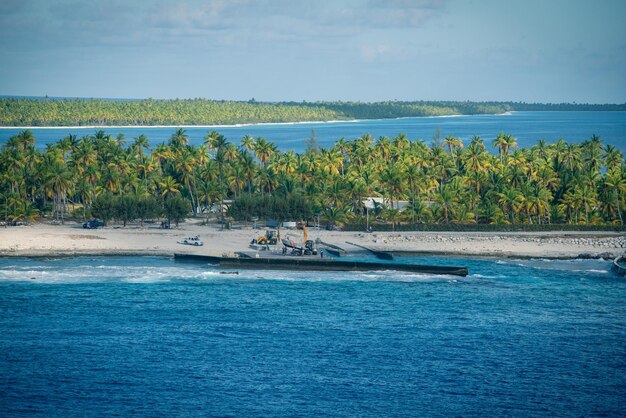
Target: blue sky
368,50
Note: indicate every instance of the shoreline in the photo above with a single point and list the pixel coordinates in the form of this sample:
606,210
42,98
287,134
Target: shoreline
71,240
243,125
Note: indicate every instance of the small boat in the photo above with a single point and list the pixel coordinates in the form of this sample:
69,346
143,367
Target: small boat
195,241
619,265
290,244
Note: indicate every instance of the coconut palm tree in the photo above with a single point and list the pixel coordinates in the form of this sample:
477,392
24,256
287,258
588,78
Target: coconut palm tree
168,187
446,201
179,138
215,141
140,144
247,143
504,142
334,215
614,180
593,154
263,150
57,181
613,157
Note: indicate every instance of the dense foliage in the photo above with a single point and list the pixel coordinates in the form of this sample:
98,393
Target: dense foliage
447,183
82,112
34,112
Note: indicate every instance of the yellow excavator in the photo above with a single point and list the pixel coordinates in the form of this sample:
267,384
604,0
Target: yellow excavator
270,237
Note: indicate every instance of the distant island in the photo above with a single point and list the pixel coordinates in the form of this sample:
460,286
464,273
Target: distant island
151,112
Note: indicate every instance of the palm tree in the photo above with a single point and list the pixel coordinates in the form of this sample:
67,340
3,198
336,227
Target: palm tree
592,154
343,147
613,157
571,158
452,143
334,215
141,143
263,150
331,162
510,201
541,150
179,138
446,201
185,163
504,142
616,183
392,177
25,212
362,149
57,181
383,148
237,179
248,143
25,140
168,187
392,215
401,143
588,200
413,174
500,142
215,141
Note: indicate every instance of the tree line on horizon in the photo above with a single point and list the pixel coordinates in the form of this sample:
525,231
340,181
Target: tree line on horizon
446,182
150,112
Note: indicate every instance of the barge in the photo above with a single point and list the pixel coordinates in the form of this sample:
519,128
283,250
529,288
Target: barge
317,264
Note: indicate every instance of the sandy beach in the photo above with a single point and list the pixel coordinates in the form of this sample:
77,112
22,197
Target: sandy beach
72,239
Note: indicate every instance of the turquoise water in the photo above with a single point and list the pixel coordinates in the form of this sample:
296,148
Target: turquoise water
528,127
150,336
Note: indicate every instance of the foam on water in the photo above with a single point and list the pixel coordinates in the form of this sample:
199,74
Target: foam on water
573,265
110,274
162,270
102,273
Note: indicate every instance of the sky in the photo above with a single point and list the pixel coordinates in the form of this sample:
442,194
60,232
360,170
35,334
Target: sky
550,51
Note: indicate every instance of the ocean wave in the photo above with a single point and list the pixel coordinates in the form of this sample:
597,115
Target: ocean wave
102,274
486,276
592,271
162,274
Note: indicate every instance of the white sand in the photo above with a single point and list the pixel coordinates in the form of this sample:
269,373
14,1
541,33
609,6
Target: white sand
72,239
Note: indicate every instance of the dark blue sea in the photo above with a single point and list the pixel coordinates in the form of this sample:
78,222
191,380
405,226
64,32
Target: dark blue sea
527,127
153,337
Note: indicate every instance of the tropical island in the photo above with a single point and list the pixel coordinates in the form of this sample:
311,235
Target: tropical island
388,184
180,112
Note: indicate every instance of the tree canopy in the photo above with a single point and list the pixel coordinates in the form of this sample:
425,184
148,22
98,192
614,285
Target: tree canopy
151,112
451,182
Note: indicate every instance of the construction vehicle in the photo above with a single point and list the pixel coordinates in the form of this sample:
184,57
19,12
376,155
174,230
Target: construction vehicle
307,247
270,238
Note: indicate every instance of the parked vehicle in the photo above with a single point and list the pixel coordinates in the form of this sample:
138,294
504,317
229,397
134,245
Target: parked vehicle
93,224
195,241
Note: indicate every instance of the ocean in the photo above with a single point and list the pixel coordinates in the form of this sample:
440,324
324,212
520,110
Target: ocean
527,127
150,336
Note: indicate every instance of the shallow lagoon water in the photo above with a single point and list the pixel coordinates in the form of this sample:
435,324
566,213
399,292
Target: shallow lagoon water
527,127
150,336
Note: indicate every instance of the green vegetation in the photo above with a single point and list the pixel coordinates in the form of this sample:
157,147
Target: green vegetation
81,112
448,184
